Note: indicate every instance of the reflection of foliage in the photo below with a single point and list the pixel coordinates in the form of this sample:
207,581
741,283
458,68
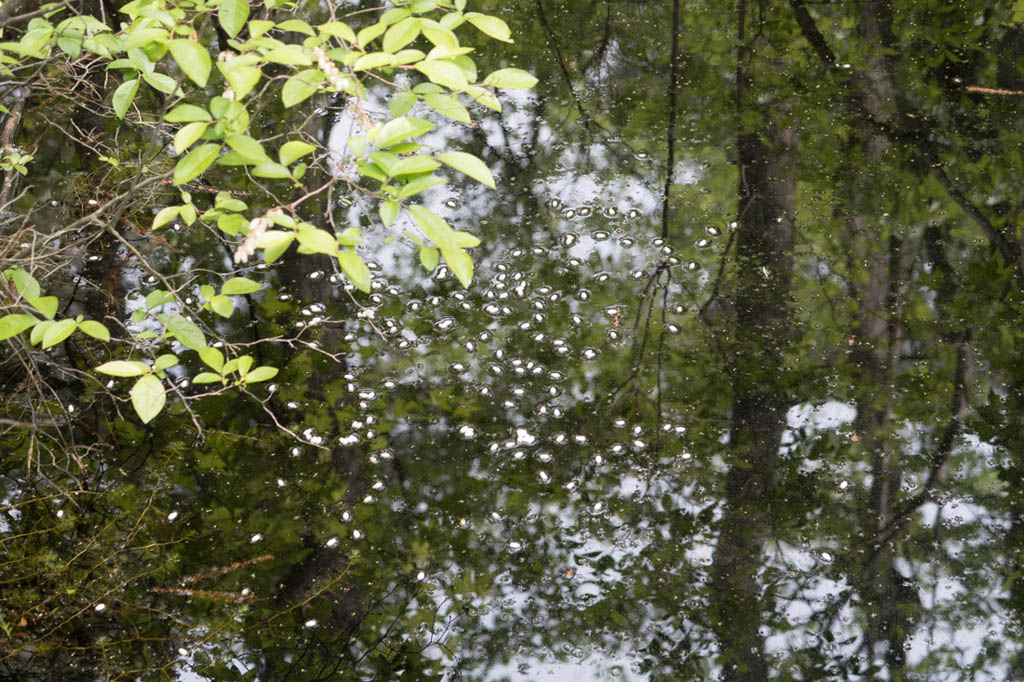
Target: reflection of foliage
541,469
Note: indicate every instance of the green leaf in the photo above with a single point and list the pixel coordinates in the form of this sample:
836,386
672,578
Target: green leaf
429,258
244,363
338,29
39,330
260,374
148,397
47,305
444,73
206,378
401,34
248,147
161,82
193,59
270,169
388,212
289,55
95,330
213,358
355,269
164,216
413,165
418,185
301,86
241,78
186,332
350,236
461,264
433,226
401,103
290,151
369,33
11,325
158,298
465,240
469,165
511,79
258,27
374,60
239,285
400,129
191,132
124,95
58,331
492,26
123,368
297,25
222,305
447,105
164,361
274,243
187,113
232,15
318,241
195,162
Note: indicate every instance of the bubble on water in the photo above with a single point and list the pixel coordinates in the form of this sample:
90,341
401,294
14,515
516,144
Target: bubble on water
600,235
257,537
315,275
827,557
712,230
692,265
632,214
311,623
445,324
182,652
702,243
515,545
685,456
568,214
569,238
357,534
332,543
617,448
442,273
589,353
619,423
468,431
349,440
172,516
844,484
101,607
584,211
451,203
610,212
554,203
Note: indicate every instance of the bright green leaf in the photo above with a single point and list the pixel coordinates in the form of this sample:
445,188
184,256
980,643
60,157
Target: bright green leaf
123,368
191,132
187,113
290,151
124,95
239,285
148,397
461,264
193,59
95,330
355,269
469,165
492,26
13,324
399,129
186,332
232,15
58,331
511,79
195,162
262,373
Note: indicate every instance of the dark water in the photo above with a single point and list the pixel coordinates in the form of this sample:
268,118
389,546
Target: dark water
735,393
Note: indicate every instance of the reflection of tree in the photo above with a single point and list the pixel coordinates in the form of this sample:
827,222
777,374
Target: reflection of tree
665,510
